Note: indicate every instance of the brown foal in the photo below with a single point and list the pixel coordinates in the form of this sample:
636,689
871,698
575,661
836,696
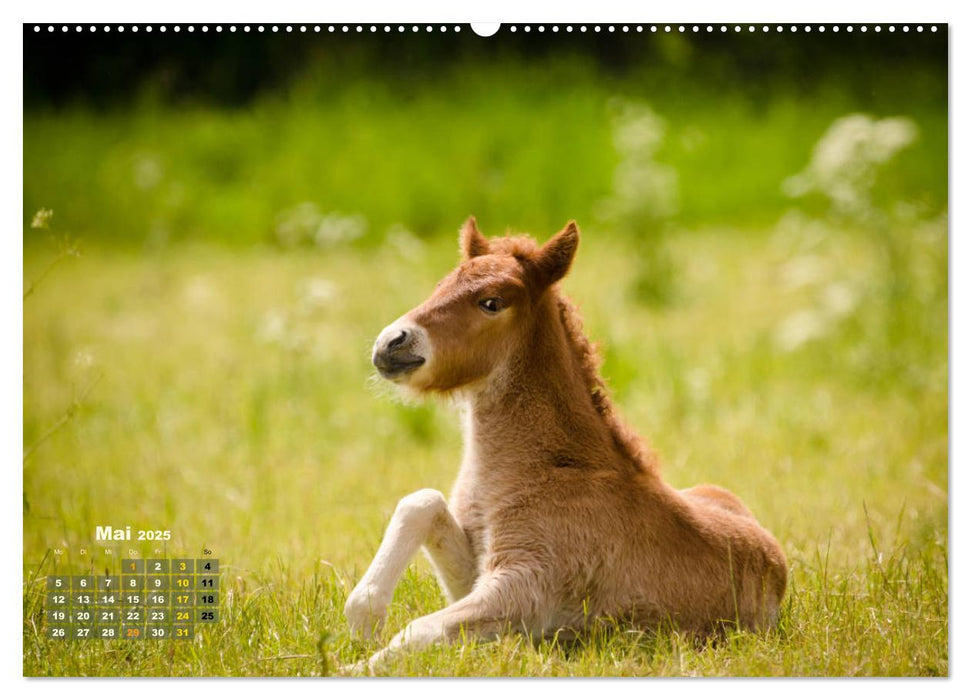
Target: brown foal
559,514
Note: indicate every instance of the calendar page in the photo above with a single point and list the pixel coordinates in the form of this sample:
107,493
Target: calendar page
510,349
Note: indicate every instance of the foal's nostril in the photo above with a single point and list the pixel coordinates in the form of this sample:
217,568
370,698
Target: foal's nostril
395,356
398,340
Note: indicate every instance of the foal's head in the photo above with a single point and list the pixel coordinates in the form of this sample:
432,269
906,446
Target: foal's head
477,315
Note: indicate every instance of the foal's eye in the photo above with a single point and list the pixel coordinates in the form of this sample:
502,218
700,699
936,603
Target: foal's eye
492,305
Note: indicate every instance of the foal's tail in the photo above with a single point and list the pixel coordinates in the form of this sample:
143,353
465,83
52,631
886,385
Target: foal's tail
774,580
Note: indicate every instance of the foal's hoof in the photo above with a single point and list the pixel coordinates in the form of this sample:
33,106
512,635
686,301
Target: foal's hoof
364,616
361,668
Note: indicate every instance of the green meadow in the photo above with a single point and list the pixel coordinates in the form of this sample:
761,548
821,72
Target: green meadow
199,310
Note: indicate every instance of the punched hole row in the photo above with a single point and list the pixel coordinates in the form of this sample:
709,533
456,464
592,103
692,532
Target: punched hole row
414,28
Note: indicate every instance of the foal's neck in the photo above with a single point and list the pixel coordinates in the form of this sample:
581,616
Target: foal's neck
537,410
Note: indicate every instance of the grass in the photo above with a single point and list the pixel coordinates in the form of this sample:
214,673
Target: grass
225,394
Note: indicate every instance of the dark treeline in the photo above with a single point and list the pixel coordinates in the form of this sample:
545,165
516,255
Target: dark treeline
105,70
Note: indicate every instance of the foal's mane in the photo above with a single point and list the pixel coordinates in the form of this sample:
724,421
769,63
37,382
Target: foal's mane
628,443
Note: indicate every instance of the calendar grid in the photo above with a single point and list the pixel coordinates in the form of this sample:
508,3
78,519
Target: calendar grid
149,599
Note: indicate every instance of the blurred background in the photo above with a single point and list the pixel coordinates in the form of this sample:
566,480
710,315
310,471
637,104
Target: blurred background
146,140
218,224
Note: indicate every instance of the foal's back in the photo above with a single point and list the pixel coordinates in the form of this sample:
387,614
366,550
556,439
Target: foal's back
705,560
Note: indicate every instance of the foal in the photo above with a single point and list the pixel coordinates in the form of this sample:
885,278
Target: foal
559,514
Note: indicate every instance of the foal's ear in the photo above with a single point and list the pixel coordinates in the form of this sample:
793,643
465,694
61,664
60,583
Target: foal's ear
471,242
553,259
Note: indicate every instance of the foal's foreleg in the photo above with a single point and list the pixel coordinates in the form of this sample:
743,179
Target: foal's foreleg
488,610
421,518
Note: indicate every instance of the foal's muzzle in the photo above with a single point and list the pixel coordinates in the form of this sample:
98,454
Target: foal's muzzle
395,352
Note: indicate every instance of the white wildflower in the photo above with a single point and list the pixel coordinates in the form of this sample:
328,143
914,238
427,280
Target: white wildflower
799,328
798,233
642,187
199,293
298,224
148,172
335,228
407,244
803,271
637,128
844,162
42,219
273,327
305,223
316,293
699,384
83,359
839,299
